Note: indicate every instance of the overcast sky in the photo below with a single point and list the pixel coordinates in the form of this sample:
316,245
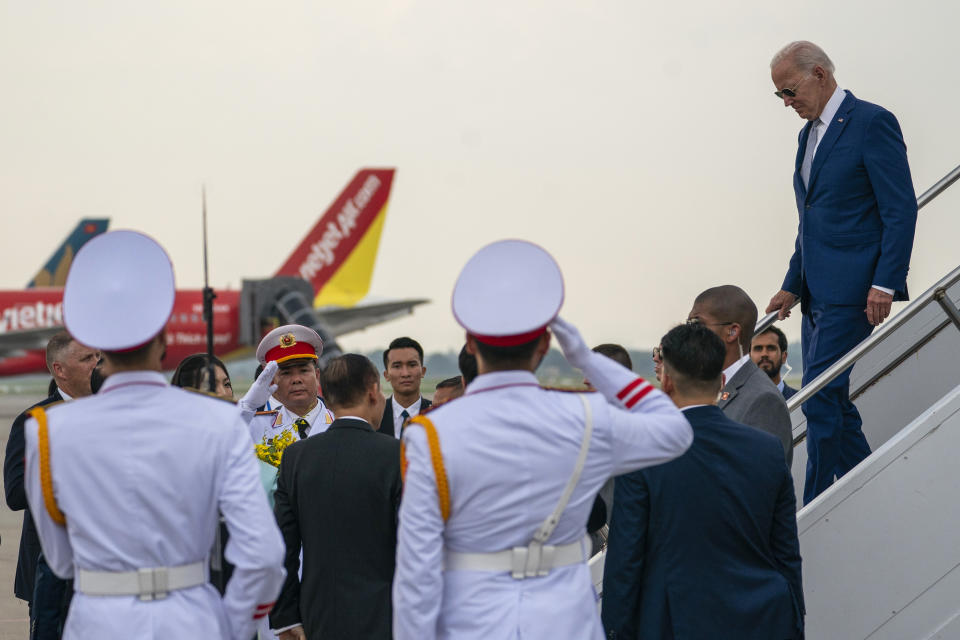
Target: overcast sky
638,142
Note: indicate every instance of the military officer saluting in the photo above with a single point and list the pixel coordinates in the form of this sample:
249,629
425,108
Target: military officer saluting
125,485
500,483
291,377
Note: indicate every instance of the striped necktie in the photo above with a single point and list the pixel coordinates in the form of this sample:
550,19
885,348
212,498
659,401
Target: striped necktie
303,427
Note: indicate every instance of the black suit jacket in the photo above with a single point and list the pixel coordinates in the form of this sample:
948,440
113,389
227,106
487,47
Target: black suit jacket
13,469
337,495
705,546
386,422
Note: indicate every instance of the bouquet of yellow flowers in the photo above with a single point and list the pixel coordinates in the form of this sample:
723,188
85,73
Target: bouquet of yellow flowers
271,451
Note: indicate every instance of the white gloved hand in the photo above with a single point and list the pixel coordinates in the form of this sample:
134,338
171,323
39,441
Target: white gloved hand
261,390
575,350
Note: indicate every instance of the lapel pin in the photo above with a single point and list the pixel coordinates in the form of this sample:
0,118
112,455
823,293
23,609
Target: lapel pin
724,395
839,119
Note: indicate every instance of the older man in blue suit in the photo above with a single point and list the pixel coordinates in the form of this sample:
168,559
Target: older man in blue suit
705,546
858,212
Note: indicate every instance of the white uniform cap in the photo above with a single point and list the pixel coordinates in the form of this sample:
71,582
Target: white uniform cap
119,292
508,293
289,342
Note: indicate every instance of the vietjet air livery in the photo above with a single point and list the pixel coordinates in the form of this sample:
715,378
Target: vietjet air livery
331,269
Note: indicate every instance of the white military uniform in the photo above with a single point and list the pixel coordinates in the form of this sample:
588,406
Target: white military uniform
320,419
139,472
509,449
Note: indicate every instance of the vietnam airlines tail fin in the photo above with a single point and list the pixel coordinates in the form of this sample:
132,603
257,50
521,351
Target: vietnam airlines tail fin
54,272
338,254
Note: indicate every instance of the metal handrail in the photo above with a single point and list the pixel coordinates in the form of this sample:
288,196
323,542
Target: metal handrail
852,356
925,198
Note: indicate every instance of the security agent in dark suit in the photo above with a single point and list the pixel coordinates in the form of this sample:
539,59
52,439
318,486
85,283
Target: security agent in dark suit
705,546
857,215
747,396
769,352
337,495
403,369
71,365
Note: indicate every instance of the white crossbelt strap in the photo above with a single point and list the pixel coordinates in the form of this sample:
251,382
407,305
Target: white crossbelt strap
537,558
148,584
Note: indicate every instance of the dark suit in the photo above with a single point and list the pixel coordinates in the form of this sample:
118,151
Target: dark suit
751,398
788,391
337,494
705,546
13,469
857,220
386,423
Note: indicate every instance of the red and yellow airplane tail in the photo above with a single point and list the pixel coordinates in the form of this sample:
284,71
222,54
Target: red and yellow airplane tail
338,254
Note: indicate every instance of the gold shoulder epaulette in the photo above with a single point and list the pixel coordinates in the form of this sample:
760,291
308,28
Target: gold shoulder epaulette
566,389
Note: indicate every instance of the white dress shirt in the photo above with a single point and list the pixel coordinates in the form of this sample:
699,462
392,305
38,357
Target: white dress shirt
731,371
412,410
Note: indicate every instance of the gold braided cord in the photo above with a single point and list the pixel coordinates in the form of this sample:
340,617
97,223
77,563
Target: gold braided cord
436,457
46,477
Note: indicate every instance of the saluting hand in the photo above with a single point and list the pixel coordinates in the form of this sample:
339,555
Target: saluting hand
261,390
575,350
878,306
781,302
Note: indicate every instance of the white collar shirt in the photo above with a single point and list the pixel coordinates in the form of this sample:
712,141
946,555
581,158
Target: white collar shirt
398,420
829,111
319,418
731,371
63,394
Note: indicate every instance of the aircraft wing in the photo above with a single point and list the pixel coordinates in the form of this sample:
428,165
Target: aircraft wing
17,342
341,320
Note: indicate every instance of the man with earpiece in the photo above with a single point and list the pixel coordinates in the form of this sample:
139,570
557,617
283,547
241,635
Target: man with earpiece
748,396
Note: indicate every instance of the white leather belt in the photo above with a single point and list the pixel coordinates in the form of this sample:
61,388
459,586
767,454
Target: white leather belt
522,562
147,584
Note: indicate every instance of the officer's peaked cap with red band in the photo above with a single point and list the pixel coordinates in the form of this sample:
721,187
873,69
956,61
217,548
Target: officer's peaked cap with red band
289,342
508,293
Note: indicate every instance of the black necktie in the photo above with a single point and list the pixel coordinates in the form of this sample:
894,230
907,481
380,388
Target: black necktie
303,427
404,416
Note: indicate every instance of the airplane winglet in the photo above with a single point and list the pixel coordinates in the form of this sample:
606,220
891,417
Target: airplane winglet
338,255
54,272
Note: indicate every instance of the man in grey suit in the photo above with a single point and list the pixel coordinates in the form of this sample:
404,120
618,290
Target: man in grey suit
748,396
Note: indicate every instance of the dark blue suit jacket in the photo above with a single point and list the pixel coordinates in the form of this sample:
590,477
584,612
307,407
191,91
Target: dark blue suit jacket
705,546
857,218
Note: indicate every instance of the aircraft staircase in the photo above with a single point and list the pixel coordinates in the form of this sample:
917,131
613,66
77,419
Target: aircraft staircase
880,553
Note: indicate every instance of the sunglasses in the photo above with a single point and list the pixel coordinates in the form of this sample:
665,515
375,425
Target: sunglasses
790,93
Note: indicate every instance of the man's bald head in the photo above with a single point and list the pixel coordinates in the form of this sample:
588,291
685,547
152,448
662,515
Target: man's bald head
730,304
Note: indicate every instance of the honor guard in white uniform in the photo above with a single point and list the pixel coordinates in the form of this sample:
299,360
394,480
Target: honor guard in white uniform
499,483
125,486
291,379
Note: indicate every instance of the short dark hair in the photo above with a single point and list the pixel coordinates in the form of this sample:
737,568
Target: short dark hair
456,382
616,353
189,372
781,338
346,378
57,343
694,355
467,363
402,343
133,357
512,357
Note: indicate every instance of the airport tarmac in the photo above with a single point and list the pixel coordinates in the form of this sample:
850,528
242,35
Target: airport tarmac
14,623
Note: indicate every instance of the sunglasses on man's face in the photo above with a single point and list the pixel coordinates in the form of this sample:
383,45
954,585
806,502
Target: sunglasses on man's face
790,93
